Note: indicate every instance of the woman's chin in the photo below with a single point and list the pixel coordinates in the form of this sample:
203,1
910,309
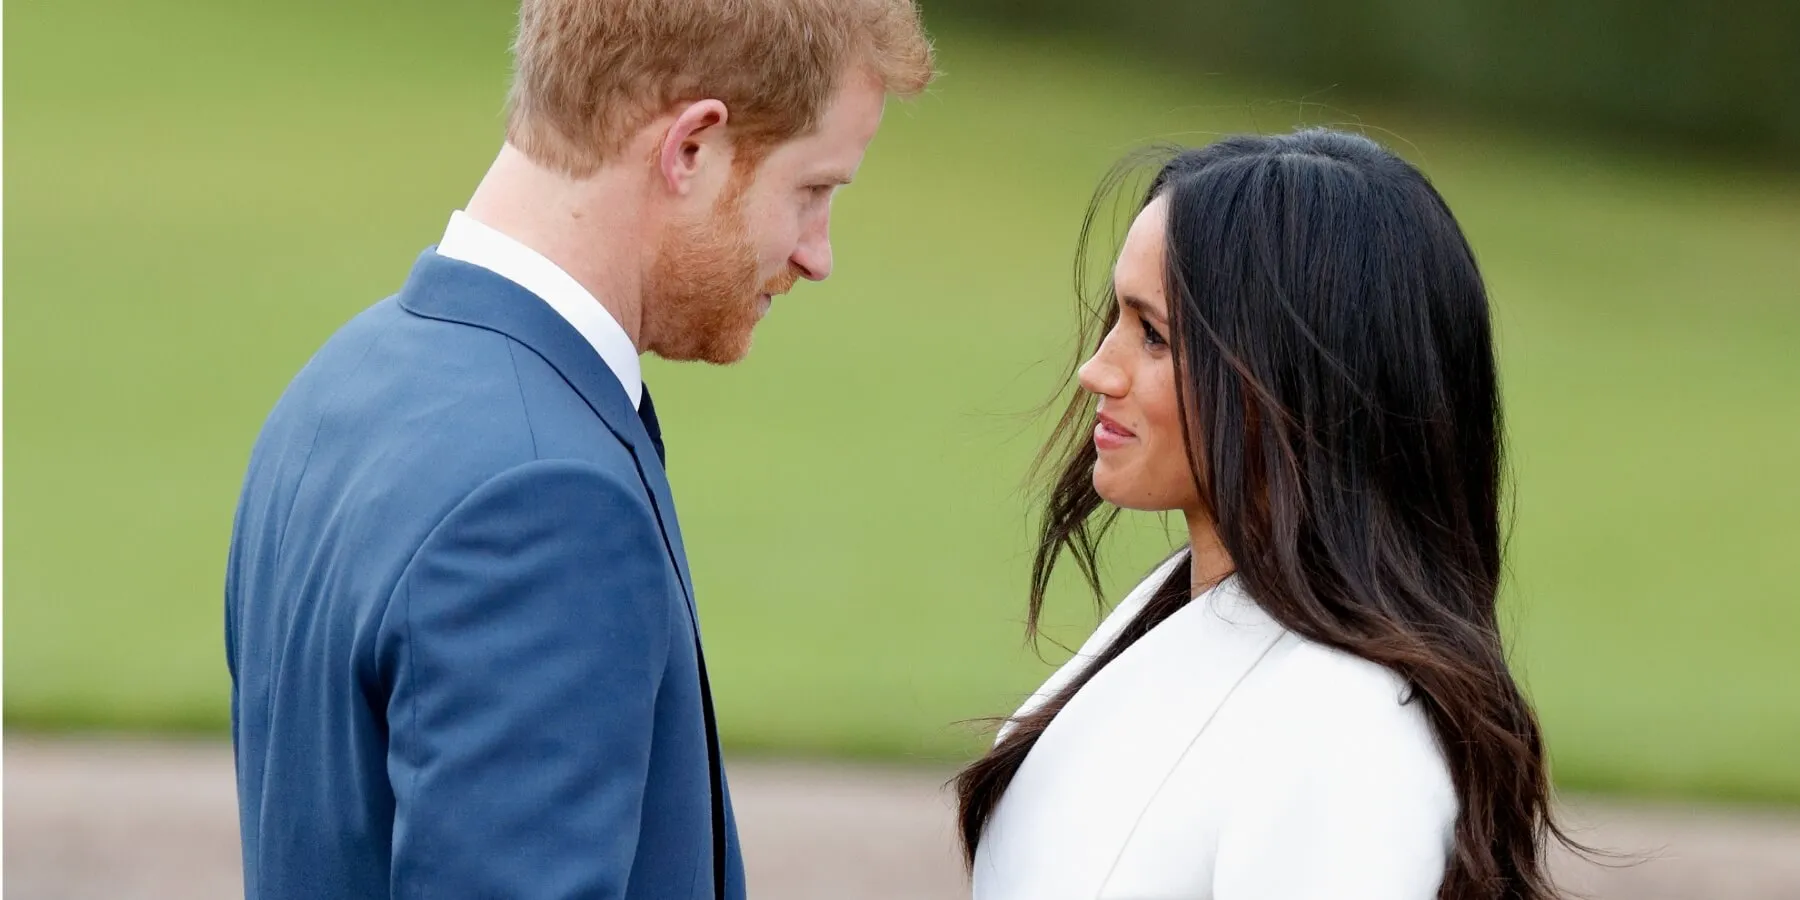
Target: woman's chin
1115,489
1127,490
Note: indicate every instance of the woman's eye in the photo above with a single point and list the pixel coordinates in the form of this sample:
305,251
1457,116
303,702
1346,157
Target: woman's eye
1152,338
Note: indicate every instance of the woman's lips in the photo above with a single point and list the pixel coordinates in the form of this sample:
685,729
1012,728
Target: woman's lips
1109,434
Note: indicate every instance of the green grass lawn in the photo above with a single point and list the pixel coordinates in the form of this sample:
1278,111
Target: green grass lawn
198,194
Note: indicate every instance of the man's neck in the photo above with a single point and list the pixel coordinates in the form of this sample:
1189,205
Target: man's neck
589,227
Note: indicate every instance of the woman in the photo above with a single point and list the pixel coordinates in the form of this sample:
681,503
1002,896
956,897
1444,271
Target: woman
1310,700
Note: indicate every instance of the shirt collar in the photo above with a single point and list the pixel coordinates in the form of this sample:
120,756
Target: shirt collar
477,244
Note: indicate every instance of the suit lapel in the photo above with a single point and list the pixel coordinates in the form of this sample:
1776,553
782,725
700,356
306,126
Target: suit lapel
454,291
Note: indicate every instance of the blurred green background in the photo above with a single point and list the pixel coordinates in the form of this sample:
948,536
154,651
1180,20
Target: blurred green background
198,193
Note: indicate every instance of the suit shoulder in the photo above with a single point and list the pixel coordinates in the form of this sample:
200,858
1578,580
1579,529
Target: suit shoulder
535,524
575,485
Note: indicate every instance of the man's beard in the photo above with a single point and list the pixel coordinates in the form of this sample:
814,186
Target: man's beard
701,300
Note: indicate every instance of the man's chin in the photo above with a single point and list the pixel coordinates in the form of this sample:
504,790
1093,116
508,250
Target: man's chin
716,349
729,356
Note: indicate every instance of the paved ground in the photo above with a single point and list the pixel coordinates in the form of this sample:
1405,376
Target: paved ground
157,821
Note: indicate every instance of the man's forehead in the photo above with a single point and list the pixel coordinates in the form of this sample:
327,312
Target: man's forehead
851,119
822,155
834,148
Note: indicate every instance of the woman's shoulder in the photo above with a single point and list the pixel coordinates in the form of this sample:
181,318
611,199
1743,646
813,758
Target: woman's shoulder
1317,708
1321,688
1332,680
1330,758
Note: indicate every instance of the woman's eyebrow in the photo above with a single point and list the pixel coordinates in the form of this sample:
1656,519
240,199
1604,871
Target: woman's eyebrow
1143,308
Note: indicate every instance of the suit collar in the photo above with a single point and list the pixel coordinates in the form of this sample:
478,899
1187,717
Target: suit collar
453,291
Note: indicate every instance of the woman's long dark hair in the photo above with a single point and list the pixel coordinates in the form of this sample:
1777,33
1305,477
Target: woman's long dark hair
1331,337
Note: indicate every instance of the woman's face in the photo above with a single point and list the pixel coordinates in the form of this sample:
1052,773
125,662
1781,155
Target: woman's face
1143,460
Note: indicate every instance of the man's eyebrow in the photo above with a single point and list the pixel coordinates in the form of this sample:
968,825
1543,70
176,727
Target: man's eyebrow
1143,308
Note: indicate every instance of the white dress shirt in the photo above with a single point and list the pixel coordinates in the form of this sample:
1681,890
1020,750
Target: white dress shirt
1222,757
477,244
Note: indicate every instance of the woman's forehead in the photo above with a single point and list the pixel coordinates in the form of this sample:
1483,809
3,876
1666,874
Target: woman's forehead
1139,268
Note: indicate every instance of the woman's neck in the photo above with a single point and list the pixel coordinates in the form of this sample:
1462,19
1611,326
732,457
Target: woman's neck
1210,562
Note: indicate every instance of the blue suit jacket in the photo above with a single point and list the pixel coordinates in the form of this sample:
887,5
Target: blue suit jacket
460,625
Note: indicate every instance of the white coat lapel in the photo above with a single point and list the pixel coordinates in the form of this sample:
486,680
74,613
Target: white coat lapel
1080,793
1096,644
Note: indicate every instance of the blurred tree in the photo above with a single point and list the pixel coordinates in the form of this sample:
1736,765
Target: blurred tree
1722,74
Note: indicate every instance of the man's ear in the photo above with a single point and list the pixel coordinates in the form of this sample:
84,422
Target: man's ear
695,142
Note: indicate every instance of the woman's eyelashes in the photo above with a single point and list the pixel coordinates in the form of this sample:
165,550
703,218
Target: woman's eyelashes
1132,310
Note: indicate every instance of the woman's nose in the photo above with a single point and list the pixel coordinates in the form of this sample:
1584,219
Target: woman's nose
1097,376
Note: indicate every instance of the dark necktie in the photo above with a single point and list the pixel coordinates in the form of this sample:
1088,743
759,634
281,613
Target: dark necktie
647,412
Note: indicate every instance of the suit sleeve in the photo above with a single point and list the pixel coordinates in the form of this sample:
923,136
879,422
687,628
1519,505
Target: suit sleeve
530,633
1349,807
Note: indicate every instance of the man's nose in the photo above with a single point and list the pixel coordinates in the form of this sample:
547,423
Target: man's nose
813,257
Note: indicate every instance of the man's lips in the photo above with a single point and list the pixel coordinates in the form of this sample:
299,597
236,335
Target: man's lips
781,284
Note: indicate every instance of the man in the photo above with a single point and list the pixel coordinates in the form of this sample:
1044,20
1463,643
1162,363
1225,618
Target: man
459,620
